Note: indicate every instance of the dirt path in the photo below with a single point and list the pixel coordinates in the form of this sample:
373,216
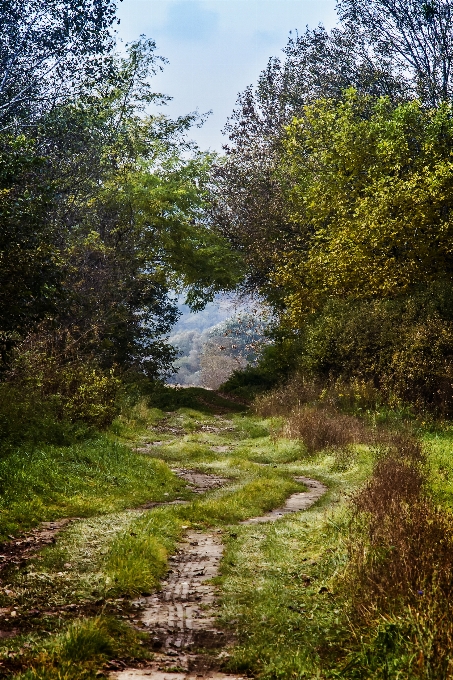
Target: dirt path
182,615
295,503
200,482
20,549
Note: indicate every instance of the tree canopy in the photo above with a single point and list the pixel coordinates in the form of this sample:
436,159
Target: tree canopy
370,198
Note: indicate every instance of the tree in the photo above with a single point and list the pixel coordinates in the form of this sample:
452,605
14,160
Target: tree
372,199
416,35
248,198
30,264
401,49
45,49
124,222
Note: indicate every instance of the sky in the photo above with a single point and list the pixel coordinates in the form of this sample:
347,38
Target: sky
216,48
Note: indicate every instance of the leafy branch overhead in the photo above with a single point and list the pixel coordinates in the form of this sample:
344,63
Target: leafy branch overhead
102,202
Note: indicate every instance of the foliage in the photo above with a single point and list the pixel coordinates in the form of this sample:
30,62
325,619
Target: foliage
172,398
278,360
369,200
402,347
249,204
102,207
231,346
27,419
45,43
30,271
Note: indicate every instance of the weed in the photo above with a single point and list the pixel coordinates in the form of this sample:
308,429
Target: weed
401,568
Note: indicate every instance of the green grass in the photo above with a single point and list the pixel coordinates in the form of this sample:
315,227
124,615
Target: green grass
80,650
279,594
95,476
440,447
280,584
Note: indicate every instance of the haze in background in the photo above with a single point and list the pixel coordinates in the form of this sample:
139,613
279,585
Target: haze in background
216,48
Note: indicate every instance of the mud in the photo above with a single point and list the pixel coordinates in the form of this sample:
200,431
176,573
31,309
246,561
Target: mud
295,503
200,482
182,616
17,551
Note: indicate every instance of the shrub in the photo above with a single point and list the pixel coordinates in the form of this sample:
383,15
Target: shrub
402,347
25,418
77,388
321,430
278,361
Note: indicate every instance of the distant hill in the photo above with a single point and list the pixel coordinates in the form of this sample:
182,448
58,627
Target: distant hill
193,331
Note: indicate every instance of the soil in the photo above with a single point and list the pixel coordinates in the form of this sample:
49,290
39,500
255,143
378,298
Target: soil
17,551
295,503
200,482
182,616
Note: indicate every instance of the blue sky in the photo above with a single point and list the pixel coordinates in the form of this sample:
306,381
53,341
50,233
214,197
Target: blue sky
216,48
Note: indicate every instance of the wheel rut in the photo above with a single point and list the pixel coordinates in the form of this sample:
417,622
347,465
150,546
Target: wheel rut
181,617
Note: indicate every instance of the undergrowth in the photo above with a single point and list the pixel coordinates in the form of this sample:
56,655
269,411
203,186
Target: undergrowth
357,586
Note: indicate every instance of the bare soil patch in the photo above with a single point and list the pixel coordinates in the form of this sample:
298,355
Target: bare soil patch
295,503
200,481
182,616
17,551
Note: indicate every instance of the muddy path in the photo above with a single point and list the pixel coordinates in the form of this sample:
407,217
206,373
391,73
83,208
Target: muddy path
181,617
19,549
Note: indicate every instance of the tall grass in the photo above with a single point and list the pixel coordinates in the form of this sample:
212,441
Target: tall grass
99,475
400,578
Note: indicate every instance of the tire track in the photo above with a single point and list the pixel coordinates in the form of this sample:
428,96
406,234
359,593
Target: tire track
182,616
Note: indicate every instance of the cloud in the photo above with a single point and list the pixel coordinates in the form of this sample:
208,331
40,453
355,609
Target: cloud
189,20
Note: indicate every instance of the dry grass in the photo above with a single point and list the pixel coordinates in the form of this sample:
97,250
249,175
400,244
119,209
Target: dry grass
354,396
281,401
313,413
401,559
321,429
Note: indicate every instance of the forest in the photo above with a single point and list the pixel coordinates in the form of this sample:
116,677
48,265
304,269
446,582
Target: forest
317,458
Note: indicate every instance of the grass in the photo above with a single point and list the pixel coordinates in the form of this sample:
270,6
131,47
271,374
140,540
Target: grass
278,592
119,553
286,589
92,477
79,650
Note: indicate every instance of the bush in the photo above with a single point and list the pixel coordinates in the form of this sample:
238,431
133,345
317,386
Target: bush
76,388
278,361
173,398
401,347
25,418
321,430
